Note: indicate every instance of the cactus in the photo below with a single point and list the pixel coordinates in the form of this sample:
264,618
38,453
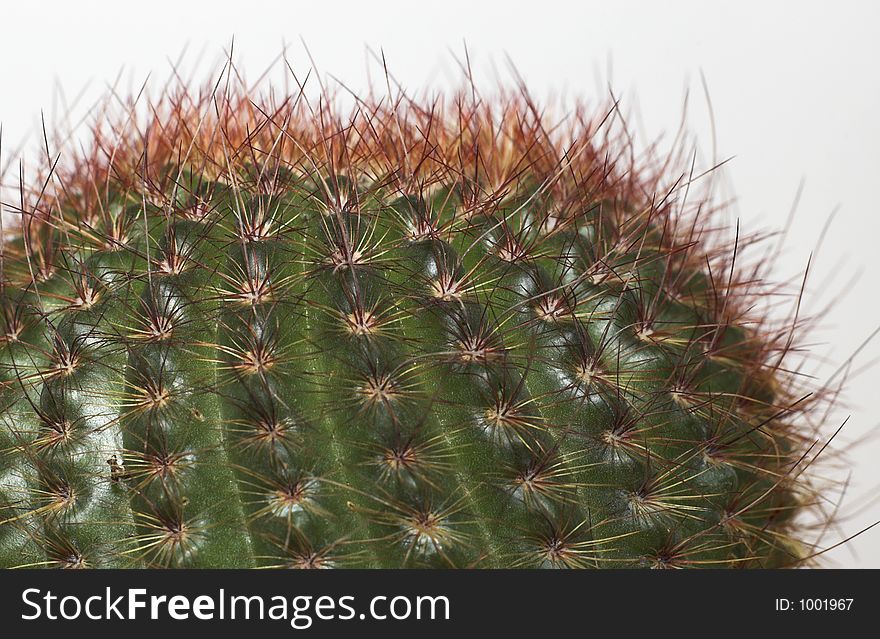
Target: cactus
446,334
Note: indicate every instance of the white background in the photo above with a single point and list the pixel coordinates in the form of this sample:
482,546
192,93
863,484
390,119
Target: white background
793,85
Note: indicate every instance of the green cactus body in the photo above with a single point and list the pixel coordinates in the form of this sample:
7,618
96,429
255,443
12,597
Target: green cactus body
289,359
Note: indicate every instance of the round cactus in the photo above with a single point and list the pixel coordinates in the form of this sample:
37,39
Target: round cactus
426,334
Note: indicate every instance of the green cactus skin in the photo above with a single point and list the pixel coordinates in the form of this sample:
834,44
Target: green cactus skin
409,339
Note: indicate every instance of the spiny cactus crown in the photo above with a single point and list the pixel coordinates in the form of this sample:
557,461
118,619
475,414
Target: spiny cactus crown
449,333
